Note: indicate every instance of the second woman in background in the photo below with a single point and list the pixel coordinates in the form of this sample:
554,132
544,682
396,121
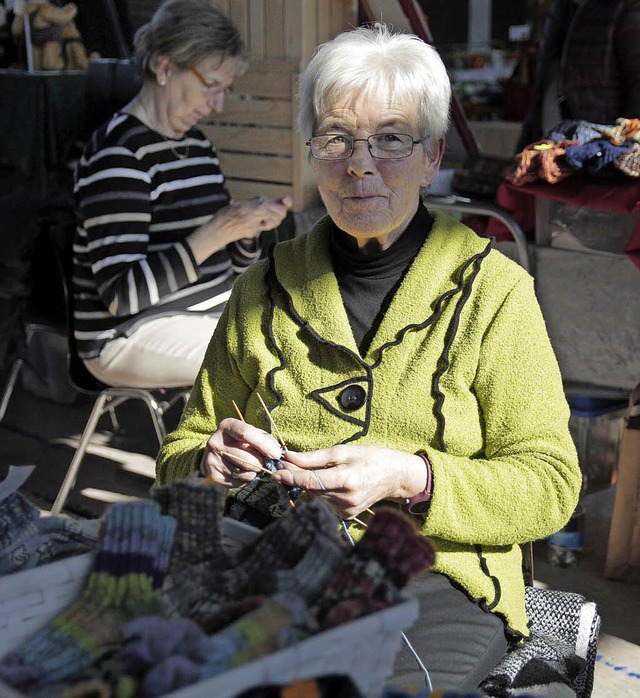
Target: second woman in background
159,241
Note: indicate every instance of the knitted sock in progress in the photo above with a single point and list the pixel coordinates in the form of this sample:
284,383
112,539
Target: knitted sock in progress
128,569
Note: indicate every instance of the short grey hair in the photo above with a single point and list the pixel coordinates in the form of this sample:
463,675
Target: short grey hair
188,31
374,60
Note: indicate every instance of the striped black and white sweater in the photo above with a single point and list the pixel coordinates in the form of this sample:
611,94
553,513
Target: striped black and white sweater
138,196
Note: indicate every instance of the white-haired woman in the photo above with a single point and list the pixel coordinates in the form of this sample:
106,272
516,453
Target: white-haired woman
159,242
402,358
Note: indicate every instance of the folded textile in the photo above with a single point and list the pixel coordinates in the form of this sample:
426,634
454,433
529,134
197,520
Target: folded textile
596,157
541,160
629,162
558,658
28,539
624,130
577,130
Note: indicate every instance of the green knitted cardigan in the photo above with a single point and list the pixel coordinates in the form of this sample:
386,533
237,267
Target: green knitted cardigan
461,368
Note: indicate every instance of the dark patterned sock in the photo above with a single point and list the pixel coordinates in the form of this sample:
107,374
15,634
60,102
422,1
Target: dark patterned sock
122,585
389,555
197,505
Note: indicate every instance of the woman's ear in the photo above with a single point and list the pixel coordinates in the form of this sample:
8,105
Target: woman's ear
163,67
432,164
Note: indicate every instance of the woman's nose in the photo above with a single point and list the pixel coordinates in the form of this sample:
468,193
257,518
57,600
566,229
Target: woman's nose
216,102
361,161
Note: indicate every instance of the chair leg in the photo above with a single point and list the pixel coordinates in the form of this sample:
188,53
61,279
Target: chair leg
72,472
11,384
156,410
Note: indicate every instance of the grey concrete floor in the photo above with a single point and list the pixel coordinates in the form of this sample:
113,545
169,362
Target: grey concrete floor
43,433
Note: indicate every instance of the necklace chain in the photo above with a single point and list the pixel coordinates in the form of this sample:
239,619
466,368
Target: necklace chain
180,156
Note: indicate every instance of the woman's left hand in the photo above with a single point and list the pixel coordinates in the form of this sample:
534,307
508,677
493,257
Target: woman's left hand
353,477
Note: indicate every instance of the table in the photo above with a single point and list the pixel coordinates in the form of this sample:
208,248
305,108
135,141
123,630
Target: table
41,121
621,195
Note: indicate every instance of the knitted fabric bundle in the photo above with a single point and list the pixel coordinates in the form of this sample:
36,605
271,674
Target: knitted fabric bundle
371,576
596,157
258,502
205,591
163,655
624,130
553,167
28,539
577,130
559,657
629,162
541,160
129,567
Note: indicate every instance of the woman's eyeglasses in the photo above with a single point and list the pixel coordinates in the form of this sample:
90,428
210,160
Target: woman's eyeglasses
383,146
213,88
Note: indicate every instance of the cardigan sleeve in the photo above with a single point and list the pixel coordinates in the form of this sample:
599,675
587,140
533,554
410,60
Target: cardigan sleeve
182,449
525,485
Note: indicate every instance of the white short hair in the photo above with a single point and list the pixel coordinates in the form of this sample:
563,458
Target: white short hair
374,60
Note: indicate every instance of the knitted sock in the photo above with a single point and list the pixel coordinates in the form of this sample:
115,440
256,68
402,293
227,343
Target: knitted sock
197,506
258,502
123,584
277,623
387,557
202,592
284,543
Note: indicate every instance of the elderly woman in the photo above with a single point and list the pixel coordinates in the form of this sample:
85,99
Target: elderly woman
159,241
401,357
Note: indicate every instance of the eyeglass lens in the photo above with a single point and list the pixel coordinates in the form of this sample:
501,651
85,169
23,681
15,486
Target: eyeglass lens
387,146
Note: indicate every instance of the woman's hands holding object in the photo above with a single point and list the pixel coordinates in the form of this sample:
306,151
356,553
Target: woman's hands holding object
354,477
235,453
238,221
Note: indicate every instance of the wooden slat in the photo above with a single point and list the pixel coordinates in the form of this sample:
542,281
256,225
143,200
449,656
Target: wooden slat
247,139
305,189
255,37
268,79
266,112
242,190
274,30
265,168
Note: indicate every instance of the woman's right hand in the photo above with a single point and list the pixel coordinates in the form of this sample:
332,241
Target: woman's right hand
235,453
237,221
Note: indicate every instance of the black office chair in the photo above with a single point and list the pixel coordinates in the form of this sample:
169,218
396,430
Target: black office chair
108,398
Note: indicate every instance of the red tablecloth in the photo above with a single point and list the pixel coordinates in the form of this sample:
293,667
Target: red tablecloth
622,195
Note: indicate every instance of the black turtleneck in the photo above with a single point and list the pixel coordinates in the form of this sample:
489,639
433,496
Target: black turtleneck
368,281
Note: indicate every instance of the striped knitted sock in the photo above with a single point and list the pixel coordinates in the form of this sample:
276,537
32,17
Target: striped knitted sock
129,565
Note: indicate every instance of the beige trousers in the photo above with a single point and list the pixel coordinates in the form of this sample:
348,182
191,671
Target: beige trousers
162,353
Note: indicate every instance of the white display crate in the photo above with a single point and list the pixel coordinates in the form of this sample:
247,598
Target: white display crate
364,649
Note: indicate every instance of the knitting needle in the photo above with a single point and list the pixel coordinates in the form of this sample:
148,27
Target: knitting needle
232,456
282,487
238,410
273,424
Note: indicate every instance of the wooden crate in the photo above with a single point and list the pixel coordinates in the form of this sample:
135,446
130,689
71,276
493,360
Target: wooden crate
260,149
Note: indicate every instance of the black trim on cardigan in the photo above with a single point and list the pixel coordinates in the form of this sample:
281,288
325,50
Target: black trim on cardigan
276,287
464,287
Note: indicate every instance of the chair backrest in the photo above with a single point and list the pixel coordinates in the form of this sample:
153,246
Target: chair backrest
61,238
110,84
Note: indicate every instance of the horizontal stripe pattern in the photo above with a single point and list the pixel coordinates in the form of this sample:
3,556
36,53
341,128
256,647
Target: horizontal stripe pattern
136,201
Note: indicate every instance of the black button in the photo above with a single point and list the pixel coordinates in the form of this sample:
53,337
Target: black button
352,397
